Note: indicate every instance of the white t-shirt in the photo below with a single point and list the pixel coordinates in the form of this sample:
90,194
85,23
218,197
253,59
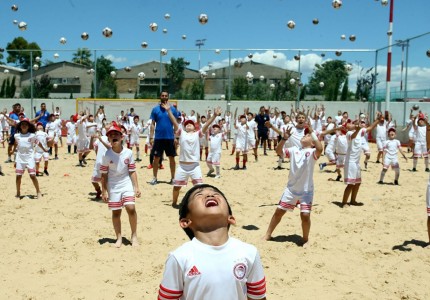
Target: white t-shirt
302,162
199,271
252,127
101,149
391,147
25,147
135,130
190,145
71,128
215,142
381,131
354,148
42,138
118,167
91,131
82,129
296,135
51,129
99,120
341,144
420,134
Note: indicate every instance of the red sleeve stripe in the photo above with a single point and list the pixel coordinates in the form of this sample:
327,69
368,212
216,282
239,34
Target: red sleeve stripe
104,168
164,294
251,284
179,293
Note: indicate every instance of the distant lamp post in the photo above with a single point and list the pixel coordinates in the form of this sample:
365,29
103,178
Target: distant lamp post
403,44
200,43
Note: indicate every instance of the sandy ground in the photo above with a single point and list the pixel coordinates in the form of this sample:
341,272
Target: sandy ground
60,246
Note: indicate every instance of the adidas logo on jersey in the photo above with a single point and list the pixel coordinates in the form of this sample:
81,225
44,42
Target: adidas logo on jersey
193,272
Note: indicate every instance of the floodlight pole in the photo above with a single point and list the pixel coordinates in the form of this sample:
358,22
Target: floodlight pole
161,72
229,81
95,80
298,85
200,43
31,83
390,39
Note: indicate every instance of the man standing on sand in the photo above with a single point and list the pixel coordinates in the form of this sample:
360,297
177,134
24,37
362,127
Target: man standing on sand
262,130
44,115
162,137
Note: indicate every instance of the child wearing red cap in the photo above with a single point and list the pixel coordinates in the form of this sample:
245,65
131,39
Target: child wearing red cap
215,144
119,183
189,166
391,147
71,133
41,151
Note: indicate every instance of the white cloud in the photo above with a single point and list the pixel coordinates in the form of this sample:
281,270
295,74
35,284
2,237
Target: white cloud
114,59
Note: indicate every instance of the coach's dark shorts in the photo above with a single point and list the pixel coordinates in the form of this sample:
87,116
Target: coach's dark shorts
263,135
11,139
161,145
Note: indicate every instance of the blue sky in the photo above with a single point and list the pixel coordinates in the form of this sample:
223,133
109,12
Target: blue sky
249,24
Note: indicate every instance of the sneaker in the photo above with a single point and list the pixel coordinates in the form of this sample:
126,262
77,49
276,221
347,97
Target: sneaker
84,161
46,172
81,164
1,173
153,181
321,167
380,182
279,168
137,159
236,167
377,161
161,167
56,157
170,182
414,170
396,182
218,176
338,178
149,166
99,194
427,170
8,161
265,153
210,172
38,174
365,165
244,168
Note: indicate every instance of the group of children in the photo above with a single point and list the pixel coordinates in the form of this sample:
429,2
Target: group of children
204,213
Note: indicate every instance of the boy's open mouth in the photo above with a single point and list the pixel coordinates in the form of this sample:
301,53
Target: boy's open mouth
211,202
115,140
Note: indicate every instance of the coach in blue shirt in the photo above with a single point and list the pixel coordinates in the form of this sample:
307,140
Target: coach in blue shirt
44,115
162,137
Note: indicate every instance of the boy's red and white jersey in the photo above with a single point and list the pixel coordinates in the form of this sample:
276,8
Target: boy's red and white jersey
71,128
420,134
341,144
42,139
82,129
302,162
391,147
118,167
353,153
91,128
381,131
200,271
51,128
296,136
25,146
190,145
215,142
135,130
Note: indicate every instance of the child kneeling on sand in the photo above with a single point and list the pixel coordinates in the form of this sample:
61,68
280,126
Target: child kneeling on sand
212,265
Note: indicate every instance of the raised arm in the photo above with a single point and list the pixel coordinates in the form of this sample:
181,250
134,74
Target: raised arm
217,112
172,118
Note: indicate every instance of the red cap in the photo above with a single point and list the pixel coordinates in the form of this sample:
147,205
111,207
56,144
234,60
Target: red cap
306,130
39,123
75,118
113,128
188,122
25,120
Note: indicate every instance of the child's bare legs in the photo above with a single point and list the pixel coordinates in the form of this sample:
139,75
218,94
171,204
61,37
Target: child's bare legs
116,221
346,194
237,159
173,166
379,156
245,159
175,195
18,185
428,228
354,193
306,227
132,217
276,218
36,185
56,150
137,153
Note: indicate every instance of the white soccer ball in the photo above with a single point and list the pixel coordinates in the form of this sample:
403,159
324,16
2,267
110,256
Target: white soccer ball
250,55
55,85
37,59
56,55
127,69
14,7
384,2
203,74
35,67
336,4
272,86
163,52
164,30
348,67
184,37
85,36
416,107
6,71
217,51
342,37
352,38
167,16
338,53
249,76
141,75
315,21
275,56
15,22
113,74
144,45
203,19
321,84
63,40
153,27
222,97
292,81
107,32
22,26
291,24
261,77
297,57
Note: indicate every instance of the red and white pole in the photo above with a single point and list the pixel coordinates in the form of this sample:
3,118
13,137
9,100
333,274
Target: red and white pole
390,40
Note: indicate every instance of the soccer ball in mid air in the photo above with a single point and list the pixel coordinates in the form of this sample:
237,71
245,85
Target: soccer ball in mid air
153,27
336,4
85,36
141,75
107,32
203,19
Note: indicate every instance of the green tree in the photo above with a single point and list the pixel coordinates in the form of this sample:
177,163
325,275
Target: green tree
1,58
41,88
239,88
106,86
197,90
332,73
3,89
19,54
82,56
303,92
345,91
175,72
258,91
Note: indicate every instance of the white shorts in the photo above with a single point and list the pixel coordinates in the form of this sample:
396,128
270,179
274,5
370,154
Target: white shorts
365,148
289,200
352,173
38,156
428,198
411,136
203,142
340,161
134,142
420,149
82,145
71,139
214,159
252,143
391,161
380,144
20,168
273,135
185,171
330,156
97,175
52,138
119,199
242,145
